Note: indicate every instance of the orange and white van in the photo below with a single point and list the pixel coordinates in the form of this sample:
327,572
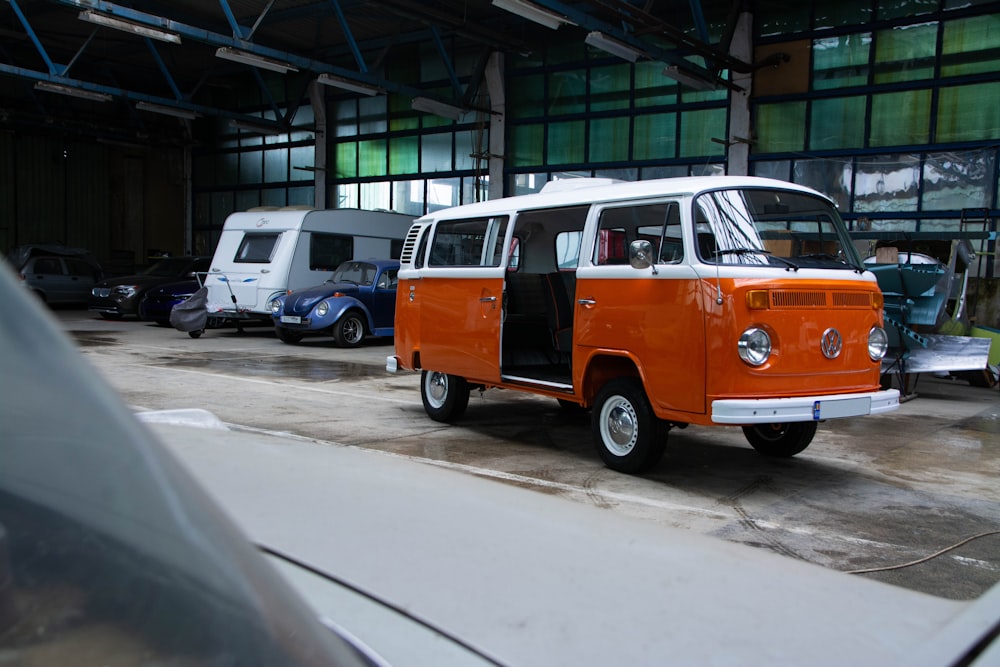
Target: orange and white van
718,300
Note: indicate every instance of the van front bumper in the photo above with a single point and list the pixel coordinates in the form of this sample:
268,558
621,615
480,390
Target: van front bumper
391,364
803,408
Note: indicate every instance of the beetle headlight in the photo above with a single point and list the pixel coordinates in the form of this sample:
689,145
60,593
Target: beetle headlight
275,306
323,308
878,343
754,346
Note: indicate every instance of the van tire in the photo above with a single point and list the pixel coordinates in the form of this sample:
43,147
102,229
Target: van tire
780,440
445,397
349,330
287,336
628,435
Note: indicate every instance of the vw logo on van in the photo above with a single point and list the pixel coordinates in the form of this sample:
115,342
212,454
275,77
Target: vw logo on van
831,343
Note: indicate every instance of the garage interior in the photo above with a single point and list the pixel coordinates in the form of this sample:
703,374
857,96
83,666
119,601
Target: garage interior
134,129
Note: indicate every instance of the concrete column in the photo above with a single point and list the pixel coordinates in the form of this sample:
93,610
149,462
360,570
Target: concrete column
318,101
498,107
738,153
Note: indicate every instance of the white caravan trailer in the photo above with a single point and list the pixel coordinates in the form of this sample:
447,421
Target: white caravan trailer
264,252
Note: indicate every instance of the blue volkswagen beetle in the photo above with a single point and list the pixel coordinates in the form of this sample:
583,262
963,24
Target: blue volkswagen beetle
358,299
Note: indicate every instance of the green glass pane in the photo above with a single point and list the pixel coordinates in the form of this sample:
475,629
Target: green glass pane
526,143
837,123
403,155
347,160
567,92
655,137
401,115
841,61
698,128
610,87
900,119
968,113
971,46
565,144
371,157
526,96
897,9
905,53
841,13
276,165
780,127
345,118
302,156
251,167
468,143
436,152
652,88
609,139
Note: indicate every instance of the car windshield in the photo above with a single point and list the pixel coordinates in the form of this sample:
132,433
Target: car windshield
771,227
359,273
169,267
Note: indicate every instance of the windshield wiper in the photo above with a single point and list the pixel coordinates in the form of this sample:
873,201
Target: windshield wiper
757,251
834,258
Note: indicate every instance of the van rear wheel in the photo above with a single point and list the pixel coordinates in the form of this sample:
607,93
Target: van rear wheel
445,397
628,436
780,440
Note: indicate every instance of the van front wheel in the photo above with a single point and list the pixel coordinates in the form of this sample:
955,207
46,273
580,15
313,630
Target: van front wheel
445,396
628,436
781,440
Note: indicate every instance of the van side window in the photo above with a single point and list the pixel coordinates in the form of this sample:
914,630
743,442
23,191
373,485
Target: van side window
659,224
328,251
477,242
257,248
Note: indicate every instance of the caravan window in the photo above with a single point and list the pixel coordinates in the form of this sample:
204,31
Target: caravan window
469,242
257,248
328,251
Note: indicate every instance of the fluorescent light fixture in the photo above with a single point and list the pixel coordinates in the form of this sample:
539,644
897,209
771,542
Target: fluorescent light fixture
349,84
689,80
90,16
247,58
166,110
256,128
437,108
625,51
532,12
82,93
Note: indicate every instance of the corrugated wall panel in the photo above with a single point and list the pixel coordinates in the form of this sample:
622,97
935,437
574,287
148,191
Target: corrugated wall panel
87,197
8,198
41,205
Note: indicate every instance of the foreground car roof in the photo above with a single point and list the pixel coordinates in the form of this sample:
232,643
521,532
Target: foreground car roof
533,579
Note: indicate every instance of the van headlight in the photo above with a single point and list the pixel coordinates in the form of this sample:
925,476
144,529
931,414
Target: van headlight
878,343
323,308
275,306
754,346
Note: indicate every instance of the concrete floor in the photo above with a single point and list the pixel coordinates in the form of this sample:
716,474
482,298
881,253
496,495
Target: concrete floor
868,493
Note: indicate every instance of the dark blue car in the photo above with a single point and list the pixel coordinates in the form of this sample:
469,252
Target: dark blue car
359,299
159,301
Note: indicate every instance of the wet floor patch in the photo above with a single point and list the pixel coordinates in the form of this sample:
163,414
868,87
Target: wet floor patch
296,368
92,338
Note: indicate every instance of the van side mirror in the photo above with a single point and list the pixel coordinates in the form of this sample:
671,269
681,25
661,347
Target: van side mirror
640,254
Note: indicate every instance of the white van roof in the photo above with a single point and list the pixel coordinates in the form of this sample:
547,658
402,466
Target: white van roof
595,190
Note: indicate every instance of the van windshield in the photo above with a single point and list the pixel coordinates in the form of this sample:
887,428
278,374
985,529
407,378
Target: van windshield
771,227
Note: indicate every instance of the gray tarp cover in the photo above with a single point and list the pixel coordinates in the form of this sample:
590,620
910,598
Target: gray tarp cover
191,314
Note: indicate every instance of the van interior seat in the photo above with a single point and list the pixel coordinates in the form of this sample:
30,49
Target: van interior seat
560,292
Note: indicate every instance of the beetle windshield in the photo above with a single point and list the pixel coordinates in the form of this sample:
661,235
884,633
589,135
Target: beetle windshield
359,273
771,227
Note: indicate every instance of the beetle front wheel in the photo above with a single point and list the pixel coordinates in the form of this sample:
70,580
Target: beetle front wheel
628,436
780,440
445,397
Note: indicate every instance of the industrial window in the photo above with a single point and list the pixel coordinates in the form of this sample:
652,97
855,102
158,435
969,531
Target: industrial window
781,127
969,113
659,136
837,122
900,119
841,61
905,53
971,46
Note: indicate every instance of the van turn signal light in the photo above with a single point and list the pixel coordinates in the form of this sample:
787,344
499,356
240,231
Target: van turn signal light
757,299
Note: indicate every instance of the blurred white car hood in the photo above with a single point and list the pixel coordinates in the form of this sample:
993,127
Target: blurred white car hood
532,579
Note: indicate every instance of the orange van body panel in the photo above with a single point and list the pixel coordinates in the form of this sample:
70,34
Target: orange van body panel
656,323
